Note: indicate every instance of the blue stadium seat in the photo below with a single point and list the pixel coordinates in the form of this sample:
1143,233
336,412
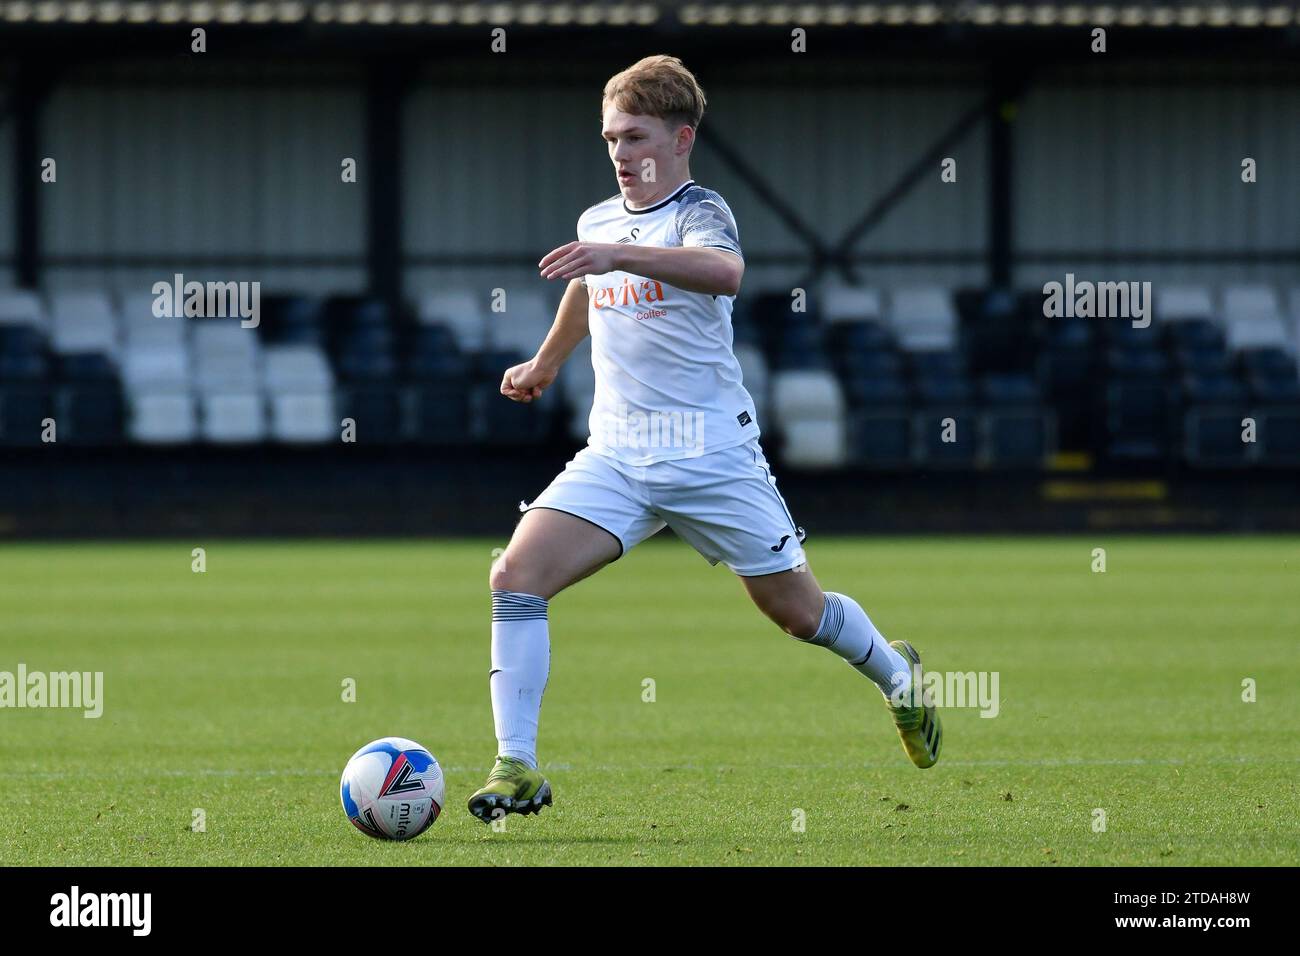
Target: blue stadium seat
22,340
91,413
1016,437
24,367
1066,371
433,337
504,422
941,391
870,364
880,438
929,432
852,338
1212,437
1009,389
1141,364
22,409
1278,436
1271,362
363,360
432,353
348,311
1122,333
1138,420
1203,361
372,313
941,364
803,337
491,364
1195,334
86,367
437,413
1072,333
1213,388
299,320
876,392
790,360
1267,390
377,411
437,366
496,420
996,335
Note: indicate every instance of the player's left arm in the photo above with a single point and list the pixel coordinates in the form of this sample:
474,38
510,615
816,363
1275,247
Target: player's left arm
708,260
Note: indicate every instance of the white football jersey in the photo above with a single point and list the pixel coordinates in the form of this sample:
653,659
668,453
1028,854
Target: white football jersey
668,385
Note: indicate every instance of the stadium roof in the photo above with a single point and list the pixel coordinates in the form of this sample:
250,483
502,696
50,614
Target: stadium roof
1230,14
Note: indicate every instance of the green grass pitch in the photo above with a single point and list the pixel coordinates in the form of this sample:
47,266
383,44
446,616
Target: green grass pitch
1120,691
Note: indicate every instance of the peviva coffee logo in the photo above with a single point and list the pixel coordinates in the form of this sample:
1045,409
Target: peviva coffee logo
648,290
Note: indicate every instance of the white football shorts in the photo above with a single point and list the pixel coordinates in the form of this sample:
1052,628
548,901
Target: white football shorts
724,504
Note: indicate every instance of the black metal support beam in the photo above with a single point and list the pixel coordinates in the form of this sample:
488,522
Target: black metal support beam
1002,109
387,84
926,164
31,89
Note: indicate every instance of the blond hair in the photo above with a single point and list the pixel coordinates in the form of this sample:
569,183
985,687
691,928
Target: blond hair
658,86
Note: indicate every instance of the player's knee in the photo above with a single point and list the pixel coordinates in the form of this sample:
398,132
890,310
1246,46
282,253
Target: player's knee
800,623
506,577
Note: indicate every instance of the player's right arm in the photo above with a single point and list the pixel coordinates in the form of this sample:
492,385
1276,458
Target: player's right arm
523,383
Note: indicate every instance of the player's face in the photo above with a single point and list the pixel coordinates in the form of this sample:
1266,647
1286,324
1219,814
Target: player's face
643,150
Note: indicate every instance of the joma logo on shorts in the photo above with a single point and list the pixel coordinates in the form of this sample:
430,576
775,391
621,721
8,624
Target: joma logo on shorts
649,290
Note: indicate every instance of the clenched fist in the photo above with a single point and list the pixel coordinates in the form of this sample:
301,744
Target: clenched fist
523,383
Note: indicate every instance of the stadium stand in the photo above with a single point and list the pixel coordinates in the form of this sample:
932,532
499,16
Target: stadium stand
917,378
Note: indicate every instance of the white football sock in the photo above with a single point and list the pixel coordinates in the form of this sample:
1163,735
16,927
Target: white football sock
847,631
521,662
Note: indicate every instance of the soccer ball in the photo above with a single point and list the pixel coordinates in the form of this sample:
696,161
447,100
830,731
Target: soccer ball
392,789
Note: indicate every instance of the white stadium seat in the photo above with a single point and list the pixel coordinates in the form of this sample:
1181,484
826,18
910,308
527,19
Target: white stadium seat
1252,316
923,319
844,303
1295,318
164,417
226,357
22,307
1179,303
462,311
232,417
156,368
223,336
225,372
304,417
296,368
82,322
524,324
816,444
1250,302
139,326
808,409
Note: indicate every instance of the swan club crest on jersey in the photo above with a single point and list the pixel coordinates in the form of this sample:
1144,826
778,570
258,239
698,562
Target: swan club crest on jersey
668,385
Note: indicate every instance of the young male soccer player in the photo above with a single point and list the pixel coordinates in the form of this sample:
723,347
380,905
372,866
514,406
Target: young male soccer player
652,278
